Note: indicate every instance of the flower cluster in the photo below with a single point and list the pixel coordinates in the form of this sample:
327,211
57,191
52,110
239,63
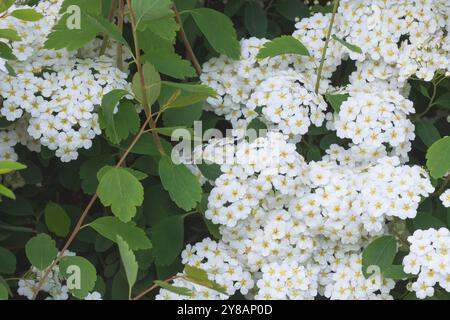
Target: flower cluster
57,92
429,259
278,213
54,285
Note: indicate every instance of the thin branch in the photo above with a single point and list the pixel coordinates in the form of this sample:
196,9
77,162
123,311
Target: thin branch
119,48
153,287
325,48
147,108
187,45
112,10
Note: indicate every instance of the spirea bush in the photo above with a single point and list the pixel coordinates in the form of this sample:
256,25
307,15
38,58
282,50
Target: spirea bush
243,149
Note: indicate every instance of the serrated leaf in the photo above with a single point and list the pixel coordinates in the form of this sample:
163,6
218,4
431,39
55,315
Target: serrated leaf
120,125
148,10
129,262
183,187
57,219
171,64
109,227
380,252
80,275
336,100
89,169
152,84
218,30
26,15
41,251
188,94
349,46
167,239
438,158
282,45
165,27
122,191
200,277
177,290
107,28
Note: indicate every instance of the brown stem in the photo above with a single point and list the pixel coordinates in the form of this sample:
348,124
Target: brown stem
187,45
112,10
83,216
153,287
147,108
119,49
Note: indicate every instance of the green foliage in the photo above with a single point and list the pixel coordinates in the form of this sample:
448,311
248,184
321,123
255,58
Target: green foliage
349,46
178,290
27,15
218,30
182,185
110,227
41,251
8,261
167,239
380,252
80,275
57,219
119,189
255,19
282,45
438,158
152,84
129,262
336,100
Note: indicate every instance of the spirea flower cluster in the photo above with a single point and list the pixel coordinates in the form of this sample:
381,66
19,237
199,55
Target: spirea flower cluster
299,228
429,258
56,91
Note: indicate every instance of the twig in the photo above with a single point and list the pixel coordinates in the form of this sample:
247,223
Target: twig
147,108
153,287
325,48
187,45
119,48
112,10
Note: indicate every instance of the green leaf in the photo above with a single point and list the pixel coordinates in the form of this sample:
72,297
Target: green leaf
282,45
186,94
396,272
292,9
257,124
6,4
109,102
438,158
380,252
80,275
427,132
167,239
41,251
7,261
183,187
152,84
3,291
27,15
89,169
349,46
148,10
218,30
56,219
109,227
200,277
426,220
4,191
170,64
107,28
129,262
6,52
444,100
120,125
177,290
122,191
165,27
313,154
146,145
255,19
336,100
10,34
210,171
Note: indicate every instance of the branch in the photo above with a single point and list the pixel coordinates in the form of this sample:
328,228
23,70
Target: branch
325,48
